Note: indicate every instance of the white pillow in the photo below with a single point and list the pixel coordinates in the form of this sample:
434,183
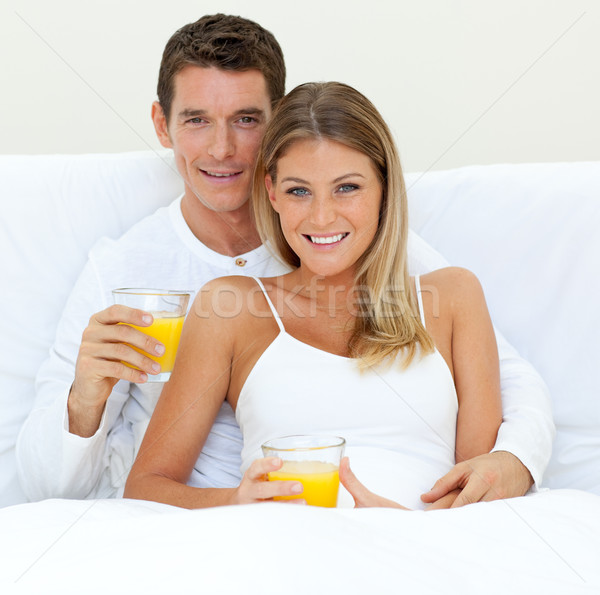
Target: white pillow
54,207
531,234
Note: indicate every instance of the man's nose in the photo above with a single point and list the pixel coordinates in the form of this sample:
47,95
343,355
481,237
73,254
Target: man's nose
221,144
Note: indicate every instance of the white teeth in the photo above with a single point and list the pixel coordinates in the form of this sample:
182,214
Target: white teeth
216,175
328,239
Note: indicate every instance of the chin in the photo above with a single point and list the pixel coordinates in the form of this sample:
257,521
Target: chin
219,206
331,271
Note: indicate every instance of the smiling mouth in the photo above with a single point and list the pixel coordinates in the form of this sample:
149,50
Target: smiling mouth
326,239
215,174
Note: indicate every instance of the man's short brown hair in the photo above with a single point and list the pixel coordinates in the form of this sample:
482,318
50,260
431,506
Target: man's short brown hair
226,42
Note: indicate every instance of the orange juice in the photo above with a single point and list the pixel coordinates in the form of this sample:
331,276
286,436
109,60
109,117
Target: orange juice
320,480
167,330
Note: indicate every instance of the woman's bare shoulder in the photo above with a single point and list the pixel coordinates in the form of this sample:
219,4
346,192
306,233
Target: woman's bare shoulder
452,289
228,282
231,297
452,280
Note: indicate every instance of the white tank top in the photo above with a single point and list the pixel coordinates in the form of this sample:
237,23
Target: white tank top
399,424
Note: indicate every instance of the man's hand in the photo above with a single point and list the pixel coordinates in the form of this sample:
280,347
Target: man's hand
481,479
363,498
105,357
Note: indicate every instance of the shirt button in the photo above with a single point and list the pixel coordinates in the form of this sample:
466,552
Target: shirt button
240,262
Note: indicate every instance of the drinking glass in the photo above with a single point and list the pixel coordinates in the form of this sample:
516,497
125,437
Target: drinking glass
314,461
168,308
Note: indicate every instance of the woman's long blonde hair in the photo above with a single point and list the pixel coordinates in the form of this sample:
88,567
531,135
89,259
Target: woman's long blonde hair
388,320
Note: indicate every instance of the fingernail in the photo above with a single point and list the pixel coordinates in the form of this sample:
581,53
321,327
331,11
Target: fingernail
143,377
147,319
159,349
156,368
297,488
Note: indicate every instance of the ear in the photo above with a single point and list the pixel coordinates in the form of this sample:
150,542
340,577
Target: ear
160,125
270,185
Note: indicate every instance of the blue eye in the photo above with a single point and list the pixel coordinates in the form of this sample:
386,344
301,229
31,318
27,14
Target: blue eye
298,191
347,187
195,121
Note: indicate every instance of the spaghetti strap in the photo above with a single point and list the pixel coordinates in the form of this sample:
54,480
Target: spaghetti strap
275,314
420,299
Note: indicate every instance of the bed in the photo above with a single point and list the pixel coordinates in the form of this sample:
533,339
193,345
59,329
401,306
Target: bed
529,231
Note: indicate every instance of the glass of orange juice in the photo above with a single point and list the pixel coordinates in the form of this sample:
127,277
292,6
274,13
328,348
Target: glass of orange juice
168,308
314,461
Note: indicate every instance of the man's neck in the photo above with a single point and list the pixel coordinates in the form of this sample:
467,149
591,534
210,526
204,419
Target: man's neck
228,233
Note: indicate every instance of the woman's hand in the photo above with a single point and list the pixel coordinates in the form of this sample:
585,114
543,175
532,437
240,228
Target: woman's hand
255,486
363,498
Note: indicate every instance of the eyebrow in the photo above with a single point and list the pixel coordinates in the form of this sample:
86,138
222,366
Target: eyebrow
194,113
339,179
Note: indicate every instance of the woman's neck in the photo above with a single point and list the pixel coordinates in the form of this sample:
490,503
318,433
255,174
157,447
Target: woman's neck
336,294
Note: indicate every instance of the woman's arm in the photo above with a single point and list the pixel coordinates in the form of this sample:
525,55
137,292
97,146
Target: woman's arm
475,365
185,412
187,409
524,442
459,321
457,318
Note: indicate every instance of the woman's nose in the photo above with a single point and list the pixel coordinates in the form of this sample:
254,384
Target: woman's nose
322,212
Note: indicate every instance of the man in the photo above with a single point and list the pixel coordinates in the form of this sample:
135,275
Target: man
218,83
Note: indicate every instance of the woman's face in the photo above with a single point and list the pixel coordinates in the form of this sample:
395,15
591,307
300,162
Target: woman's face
328,197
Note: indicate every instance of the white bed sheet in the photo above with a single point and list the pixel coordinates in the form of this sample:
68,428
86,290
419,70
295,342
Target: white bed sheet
533,217
545,543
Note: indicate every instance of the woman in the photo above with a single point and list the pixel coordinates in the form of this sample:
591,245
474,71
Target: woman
345,344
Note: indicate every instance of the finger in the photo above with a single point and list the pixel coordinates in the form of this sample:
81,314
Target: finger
100,342
260,467
97,370
355,488
259,470
267,490
472,492
120,371
453,479
117,313
362,496
115,361
444,502
123,333
255,487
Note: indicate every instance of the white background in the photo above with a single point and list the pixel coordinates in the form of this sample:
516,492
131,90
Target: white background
459,81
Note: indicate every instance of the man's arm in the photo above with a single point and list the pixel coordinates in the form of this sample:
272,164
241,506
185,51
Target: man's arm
527,430
61,447
52,462
524,443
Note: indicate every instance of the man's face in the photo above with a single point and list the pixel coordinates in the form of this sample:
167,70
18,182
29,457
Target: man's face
217,121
